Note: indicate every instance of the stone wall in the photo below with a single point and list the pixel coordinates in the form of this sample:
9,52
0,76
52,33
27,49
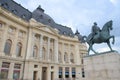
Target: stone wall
105,66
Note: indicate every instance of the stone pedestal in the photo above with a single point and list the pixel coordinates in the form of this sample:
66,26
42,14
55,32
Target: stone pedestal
104,66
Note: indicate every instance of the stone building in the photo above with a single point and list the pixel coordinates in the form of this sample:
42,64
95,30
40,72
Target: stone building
34,47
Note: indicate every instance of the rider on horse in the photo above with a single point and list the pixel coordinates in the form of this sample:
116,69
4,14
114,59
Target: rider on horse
95,30
100,36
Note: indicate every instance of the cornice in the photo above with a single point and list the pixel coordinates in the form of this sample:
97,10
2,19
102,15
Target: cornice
13,17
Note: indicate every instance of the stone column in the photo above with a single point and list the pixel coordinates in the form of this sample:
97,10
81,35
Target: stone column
56,51
0,65
15,44
4,38
70,72
69,54
56,72
40,73
63,52
10,72
33,40
77,60
29,43
49,73
41,46
63,73
48,50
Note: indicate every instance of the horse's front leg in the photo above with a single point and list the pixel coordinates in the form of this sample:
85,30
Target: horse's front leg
113,39
91,48
108,43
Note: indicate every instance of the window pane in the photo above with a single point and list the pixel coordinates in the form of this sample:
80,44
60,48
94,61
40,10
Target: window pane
17,66
73,73
35,51
67,72
4,70
72,58
60,72
5,65
18,49
16,74
4,74
7,47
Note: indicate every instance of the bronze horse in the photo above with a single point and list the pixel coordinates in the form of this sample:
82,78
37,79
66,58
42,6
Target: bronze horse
102,36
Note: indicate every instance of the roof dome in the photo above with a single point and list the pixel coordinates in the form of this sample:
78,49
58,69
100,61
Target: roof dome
40,16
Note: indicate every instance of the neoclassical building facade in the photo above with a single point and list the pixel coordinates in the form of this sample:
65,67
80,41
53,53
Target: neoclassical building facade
34,47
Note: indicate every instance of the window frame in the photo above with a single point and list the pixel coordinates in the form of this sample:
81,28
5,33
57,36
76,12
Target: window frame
7,47
19,49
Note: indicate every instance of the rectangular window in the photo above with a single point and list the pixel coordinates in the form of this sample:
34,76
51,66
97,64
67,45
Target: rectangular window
4,74
60,72
73,73
16,72
4,70
17,66
35,66
67,72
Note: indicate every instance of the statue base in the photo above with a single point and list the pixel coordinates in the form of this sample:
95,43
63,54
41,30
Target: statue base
102,53
104,66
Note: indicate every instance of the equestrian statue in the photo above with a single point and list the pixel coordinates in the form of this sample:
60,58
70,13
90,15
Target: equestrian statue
100,36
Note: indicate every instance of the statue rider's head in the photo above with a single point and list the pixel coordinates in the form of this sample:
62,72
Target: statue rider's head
95,23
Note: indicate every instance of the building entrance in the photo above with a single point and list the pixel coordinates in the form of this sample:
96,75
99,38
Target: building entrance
44,73
35,75
52,75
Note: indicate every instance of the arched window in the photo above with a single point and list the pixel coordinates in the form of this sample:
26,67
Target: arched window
71,58
59,57
18,49
35,51
65,57
7,47
43,53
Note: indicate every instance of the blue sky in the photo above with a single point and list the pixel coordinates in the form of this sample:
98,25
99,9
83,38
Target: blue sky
80,14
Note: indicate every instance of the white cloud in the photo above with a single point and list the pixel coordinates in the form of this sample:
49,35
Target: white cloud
114,2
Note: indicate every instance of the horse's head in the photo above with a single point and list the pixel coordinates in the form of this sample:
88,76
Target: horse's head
108,25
